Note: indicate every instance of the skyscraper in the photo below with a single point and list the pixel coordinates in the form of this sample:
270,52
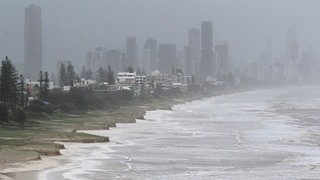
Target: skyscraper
223,58
188,60
151,45
114,59
96,58
132,53
208,64
167,57
206,34
195,49
32,41
146,58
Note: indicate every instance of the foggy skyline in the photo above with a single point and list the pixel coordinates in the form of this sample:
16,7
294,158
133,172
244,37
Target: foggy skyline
71,28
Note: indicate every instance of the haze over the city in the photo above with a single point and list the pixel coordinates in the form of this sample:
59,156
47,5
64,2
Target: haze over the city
71,28
159,89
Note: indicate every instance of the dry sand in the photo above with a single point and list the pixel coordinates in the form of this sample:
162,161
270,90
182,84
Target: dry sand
28,170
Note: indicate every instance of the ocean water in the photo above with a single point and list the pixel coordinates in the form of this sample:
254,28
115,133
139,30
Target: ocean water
263,134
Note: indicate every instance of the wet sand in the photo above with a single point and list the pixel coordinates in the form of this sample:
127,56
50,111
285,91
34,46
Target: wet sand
29,170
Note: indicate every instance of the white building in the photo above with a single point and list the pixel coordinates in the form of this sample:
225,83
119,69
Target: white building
140,85
126,79
85,83
32,83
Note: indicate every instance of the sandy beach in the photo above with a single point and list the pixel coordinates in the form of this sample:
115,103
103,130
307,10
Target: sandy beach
127,114
30,169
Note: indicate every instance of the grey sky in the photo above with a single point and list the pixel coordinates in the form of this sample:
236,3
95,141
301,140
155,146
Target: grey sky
72,27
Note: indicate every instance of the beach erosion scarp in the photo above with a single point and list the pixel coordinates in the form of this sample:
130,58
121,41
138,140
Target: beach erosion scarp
23,151
97,120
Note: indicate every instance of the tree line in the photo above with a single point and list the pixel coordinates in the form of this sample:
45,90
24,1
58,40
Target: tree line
15,93
68,76
12,94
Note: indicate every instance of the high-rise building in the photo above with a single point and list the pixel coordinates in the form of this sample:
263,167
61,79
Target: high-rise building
208,64
206,34
96,58
114,59
167,57
146,57
223,58
152,45
188,60
32,41
132,53
292,49
195,49
179,64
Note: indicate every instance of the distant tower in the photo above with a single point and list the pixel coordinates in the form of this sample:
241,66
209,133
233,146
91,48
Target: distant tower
167,57
151,54
194,47
208,64
206,34
32,41
292,49
223,58
114,59
188,60
132,53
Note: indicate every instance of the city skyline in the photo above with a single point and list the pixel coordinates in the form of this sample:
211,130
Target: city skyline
62,42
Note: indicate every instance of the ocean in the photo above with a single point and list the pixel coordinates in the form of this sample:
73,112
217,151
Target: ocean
261,134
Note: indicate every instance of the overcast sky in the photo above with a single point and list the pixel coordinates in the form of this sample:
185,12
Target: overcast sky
72,27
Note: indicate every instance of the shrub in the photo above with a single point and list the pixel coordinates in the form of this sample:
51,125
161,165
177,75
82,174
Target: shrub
4,113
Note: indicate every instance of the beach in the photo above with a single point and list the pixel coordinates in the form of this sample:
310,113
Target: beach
24,152
263,134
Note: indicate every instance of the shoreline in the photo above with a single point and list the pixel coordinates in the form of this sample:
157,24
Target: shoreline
31,169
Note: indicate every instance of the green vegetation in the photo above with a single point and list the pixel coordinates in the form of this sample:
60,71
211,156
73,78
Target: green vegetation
106,75
12,101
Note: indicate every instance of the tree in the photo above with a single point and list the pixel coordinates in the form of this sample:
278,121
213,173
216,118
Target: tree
84,72
130,69
139,73
102,75
110,76
27,95
41,92
46,86
70,75
21,91
4,113
78,79
53,78
8,82
62,77
89,74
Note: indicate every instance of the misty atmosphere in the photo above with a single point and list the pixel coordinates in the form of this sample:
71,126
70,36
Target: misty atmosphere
162,89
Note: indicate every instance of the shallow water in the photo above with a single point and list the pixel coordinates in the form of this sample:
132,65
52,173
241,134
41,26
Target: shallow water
264,134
